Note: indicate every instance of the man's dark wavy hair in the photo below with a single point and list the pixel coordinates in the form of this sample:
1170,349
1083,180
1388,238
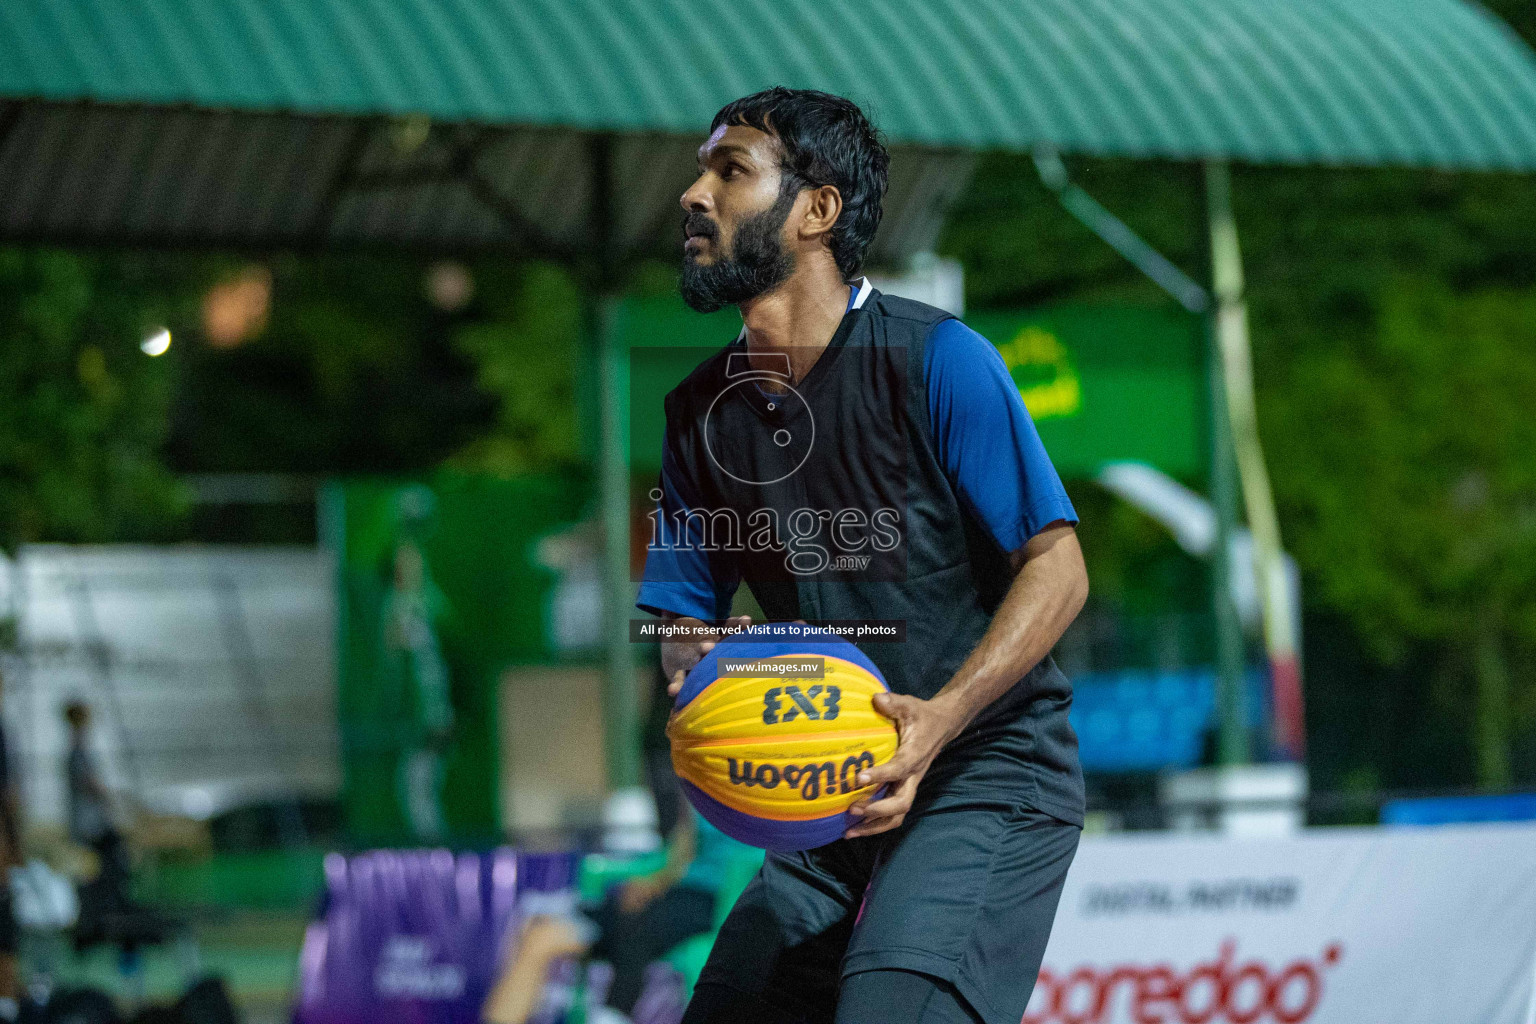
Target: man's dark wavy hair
826,140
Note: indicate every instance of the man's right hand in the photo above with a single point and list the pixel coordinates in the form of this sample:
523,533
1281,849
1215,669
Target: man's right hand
678,656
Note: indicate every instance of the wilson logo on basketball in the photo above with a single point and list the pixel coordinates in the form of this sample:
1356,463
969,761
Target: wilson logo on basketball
809,779
1216,992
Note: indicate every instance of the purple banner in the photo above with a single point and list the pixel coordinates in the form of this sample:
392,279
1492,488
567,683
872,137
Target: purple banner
416,936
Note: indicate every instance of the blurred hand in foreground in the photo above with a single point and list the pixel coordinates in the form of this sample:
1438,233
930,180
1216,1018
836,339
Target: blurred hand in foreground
639,893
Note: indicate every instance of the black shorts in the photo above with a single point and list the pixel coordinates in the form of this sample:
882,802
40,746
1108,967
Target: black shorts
965,895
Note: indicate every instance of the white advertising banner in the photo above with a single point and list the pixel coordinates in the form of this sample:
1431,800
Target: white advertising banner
1333,926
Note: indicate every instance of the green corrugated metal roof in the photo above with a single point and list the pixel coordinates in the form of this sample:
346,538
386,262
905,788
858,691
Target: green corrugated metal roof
1436,82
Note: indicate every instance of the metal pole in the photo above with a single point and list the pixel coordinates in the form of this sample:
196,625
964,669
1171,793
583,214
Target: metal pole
1281,629
619,711
620,739
1232,741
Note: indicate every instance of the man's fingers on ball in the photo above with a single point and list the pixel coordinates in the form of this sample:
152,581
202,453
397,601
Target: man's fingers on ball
887,807
896,800
875,826
894,769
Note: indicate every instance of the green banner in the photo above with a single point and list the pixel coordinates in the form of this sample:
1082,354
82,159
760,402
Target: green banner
666,340
1108,383
1103,383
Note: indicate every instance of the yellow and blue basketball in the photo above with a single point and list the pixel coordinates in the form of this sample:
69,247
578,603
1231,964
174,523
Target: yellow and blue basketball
772,759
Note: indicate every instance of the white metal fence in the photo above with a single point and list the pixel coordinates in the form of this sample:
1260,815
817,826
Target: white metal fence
209,670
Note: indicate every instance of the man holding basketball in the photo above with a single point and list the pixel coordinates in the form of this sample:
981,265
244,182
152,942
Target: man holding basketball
856,456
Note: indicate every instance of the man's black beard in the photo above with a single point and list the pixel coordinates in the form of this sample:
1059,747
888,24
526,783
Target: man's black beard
757,262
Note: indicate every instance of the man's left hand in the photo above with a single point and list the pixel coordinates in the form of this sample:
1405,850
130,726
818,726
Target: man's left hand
923,728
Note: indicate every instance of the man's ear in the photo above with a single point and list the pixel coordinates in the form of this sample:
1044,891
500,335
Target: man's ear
823,205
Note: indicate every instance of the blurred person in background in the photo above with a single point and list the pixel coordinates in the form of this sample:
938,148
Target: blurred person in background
10,856
415,610
92,818
637,924
108,913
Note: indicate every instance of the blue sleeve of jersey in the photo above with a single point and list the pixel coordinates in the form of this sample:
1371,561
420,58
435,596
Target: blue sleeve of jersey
986,442
681,575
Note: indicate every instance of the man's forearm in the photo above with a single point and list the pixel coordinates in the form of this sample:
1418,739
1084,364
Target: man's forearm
1047,593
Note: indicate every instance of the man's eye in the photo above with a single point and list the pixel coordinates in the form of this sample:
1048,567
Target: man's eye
731,170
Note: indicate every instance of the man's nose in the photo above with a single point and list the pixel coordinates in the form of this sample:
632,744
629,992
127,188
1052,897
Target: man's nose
696,199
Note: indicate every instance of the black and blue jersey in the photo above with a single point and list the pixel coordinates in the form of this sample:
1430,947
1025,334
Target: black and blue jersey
889,484
983,436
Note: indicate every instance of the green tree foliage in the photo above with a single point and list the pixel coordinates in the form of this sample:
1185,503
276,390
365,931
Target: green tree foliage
83,412
1412,290
1412,490
355,372
1406,465
526,346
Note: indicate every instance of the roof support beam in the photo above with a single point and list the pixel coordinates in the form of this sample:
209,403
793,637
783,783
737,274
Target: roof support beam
529,235
9,116
345,175
1117,234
